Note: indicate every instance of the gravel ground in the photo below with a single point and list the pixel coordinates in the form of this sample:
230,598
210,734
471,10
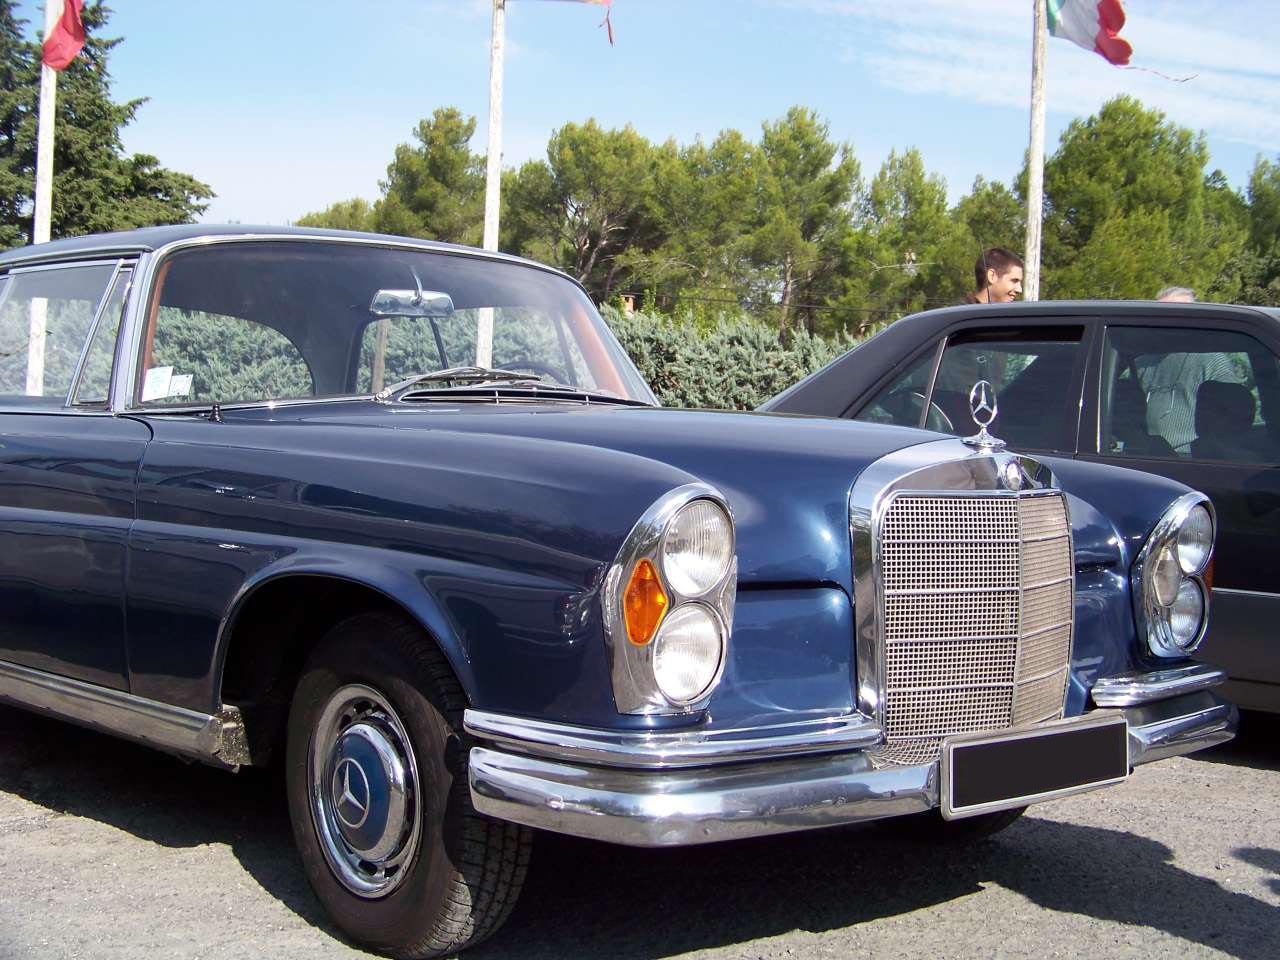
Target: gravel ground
112,851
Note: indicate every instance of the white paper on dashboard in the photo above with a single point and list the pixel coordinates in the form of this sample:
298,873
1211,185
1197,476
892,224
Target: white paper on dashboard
155,386
180,385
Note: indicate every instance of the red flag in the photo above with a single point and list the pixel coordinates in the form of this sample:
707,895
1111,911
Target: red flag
66,39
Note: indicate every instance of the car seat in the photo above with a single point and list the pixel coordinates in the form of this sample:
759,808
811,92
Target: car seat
1129,422
1224,418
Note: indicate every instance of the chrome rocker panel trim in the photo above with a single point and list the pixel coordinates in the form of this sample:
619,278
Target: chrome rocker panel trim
669,749
1135,688
216,739
663,808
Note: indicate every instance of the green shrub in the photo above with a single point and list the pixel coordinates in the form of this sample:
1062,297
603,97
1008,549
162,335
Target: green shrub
736,364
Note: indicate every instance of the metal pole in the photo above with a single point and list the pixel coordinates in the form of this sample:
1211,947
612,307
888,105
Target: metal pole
1035,158
44,136
42,215
493,173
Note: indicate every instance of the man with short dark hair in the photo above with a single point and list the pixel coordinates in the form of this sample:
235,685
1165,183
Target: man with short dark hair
997,277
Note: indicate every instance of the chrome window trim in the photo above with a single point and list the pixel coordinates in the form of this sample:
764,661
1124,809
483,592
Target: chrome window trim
947,467
933,381
631,667
94,260
64,265
1144,612
216,738
76,377
149,265
663,749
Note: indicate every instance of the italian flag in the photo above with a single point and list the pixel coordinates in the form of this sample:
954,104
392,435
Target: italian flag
66,37
1092,24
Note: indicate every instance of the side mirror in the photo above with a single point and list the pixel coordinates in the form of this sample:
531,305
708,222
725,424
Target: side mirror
411,303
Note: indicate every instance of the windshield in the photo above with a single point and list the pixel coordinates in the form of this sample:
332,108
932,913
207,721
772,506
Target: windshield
279,320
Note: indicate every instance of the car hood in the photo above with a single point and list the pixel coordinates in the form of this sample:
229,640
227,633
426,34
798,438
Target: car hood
787,479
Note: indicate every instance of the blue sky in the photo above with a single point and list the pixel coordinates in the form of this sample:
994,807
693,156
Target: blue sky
285,107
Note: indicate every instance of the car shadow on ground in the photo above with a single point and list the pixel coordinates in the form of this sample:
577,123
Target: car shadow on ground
1257,743
589,899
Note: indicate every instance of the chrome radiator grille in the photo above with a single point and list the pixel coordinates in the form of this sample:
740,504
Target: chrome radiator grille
976,599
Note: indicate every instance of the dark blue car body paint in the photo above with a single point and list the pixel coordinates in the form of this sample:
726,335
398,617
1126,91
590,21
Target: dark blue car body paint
494,527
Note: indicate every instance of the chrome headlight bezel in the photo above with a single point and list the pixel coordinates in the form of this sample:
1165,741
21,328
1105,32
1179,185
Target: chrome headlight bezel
1152,615
635,686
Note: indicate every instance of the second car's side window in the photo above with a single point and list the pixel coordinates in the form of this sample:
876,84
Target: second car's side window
902,402
1177,393
1034,376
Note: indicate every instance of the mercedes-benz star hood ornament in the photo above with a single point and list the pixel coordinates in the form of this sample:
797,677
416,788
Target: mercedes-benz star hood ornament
983,408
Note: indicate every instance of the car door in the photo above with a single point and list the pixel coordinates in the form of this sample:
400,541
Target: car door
67,472
1036,368
1198,400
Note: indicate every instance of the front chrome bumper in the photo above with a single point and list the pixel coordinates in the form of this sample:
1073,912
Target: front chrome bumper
688,805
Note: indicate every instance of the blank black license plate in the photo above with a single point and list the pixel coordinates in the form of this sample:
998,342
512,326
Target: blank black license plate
982,773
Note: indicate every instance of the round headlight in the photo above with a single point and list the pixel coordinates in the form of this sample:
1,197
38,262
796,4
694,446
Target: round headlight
687,653
697,548
1195,540
1166,576
1187,615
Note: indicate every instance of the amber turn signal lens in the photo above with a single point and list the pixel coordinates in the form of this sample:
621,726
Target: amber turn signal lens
644,603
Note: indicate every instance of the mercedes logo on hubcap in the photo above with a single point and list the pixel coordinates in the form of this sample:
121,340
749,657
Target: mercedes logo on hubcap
351,794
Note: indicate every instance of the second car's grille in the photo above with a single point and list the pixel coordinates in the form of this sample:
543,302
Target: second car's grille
977,610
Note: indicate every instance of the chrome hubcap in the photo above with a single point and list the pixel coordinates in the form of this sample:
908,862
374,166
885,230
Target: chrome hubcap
363,783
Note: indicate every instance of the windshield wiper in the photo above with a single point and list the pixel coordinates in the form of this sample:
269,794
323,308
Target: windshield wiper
456,375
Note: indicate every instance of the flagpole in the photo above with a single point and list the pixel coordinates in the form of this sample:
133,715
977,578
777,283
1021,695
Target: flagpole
493,171
1035,157
43,214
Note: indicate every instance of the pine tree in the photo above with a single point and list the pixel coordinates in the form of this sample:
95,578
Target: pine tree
97,187
18,85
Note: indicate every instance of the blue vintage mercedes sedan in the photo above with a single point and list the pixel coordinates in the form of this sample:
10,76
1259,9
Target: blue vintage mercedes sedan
403,518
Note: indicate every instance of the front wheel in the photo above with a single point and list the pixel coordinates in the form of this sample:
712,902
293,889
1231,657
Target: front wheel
379,800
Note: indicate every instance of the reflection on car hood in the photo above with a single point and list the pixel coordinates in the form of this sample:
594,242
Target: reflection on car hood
787,479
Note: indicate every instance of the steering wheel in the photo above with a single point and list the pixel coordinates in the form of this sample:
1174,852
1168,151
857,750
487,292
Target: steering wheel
523,364
905,406
936,418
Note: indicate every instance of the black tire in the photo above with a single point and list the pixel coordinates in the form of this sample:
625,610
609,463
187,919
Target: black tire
931,828
461,872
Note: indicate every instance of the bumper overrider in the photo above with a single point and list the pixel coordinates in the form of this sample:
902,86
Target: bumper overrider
676,789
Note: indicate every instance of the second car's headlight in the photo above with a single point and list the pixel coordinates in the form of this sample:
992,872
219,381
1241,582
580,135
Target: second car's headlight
1171,591
1195,540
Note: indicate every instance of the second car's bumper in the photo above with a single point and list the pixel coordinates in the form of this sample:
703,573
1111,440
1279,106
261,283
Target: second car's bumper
682,806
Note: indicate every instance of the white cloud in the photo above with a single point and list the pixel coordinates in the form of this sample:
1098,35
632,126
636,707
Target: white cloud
978,51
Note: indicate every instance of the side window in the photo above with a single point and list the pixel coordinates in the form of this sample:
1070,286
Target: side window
95,379
1175,393
194,356
45,318
1033,372
902,402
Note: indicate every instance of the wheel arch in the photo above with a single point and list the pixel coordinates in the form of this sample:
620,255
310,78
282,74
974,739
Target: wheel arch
279,616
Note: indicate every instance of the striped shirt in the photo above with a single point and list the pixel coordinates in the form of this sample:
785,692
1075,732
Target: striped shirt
1170,382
